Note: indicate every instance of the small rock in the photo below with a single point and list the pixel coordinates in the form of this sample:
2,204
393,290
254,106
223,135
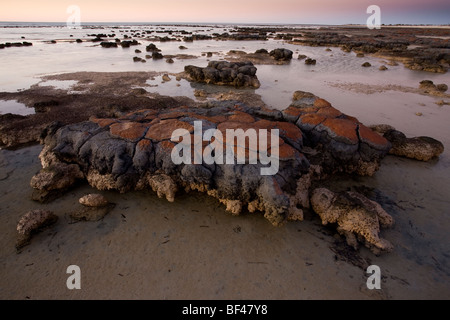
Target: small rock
157,55
301,56
310,61
419,114
32,222
200,93
366,65
419,148
427,85
170,60
382,68
94,200
442,87
166,77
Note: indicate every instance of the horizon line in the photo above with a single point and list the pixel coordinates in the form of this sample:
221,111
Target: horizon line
228,23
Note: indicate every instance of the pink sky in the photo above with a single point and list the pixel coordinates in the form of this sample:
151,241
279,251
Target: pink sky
235,11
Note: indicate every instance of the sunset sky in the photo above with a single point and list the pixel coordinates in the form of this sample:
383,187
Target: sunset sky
233,11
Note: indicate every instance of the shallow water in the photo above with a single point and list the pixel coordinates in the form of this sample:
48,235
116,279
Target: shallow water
14,107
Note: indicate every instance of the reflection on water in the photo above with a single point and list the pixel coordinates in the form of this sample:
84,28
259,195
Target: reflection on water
14,107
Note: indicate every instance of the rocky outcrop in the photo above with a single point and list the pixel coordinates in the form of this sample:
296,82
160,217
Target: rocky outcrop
32,222
338,142
281,54
419,148
237,74
358,218
278,56
136,152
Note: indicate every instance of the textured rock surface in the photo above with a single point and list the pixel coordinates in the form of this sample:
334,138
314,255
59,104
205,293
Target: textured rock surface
238,74
134,153
340,142
419,148
94,200
357,217
31,222
54,179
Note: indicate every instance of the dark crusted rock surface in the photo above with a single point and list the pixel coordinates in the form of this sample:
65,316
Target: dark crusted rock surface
238,74
281,54
133,152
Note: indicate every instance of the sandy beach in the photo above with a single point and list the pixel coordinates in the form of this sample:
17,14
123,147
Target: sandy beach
192,248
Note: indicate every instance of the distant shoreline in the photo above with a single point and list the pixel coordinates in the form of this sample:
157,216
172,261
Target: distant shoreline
200,24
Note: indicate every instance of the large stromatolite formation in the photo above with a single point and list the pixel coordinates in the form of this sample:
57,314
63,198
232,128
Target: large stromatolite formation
237,74
134,153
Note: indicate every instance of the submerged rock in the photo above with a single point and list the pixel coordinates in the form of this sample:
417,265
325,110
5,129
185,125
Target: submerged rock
32,222
358,218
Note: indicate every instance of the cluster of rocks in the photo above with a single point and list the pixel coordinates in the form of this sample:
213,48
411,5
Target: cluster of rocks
93,207
277,56
123,44
237,74
429,86
133,152
430,53
15,44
